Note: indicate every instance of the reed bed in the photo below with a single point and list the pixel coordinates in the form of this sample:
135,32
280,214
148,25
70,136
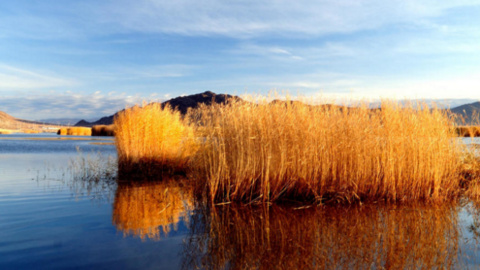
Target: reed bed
153,139
289,151
149,209
359,237
103,130
264,152
75,131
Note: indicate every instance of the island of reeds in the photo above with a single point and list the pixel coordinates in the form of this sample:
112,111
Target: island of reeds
261,151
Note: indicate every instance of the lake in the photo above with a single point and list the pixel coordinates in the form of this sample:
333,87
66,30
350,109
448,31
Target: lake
61,207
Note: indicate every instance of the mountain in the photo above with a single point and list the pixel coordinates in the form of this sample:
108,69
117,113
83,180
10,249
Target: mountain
8,122
62,121
182,104
468,114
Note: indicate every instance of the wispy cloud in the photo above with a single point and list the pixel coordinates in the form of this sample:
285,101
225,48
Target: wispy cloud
17,78
242,19
156,71
284,17
272,51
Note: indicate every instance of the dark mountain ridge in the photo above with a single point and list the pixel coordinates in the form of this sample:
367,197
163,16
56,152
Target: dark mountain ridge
467,114
182,104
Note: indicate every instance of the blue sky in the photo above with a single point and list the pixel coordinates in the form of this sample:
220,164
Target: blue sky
91,58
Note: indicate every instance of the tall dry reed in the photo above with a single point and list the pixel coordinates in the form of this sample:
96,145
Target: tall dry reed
263,151
153,137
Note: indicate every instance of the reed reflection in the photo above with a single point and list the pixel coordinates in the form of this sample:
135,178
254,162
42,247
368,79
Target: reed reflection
148,209
363,237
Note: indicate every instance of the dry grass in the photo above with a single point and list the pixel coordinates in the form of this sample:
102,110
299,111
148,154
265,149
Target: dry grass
31,131
146,209
361,237
75,131
151,139
268,152
103,130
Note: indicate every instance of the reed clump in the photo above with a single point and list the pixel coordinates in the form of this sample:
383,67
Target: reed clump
103,130
259,151
75,131
153,139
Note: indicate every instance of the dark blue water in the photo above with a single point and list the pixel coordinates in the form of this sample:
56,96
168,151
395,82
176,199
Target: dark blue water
61,209
46,224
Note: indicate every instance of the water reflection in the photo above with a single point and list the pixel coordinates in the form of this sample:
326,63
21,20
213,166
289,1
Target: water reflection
148,209
361,237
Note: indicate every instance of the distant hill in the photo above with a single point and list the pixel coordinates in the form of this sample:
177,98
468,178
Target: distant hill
181,103
9,122
61,121
184,103
468,113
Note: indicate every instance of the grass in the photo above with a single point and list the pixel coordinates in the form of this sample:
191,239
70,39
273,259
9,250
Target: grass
93,175
289,151
103,130
75,131
31,131
153,138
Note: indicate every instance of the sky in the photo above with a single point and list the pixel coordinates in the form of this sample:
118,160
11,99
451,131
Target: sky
90,58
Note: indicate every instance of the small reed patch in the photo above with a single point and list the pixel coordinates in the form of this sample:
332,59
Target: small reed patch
468,131
103,130
75,131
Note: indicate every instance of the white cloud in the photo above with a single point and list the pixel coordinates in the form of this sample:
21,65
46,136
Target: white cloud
64,104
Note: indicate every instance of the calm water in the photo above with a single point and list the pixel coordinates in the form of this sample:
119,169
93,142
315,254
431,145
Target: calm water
55,214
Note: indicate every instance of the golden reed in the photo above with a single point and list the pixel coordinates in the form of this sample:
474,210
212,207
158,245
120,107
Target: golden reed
75,131
103,130
259,151
152,138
